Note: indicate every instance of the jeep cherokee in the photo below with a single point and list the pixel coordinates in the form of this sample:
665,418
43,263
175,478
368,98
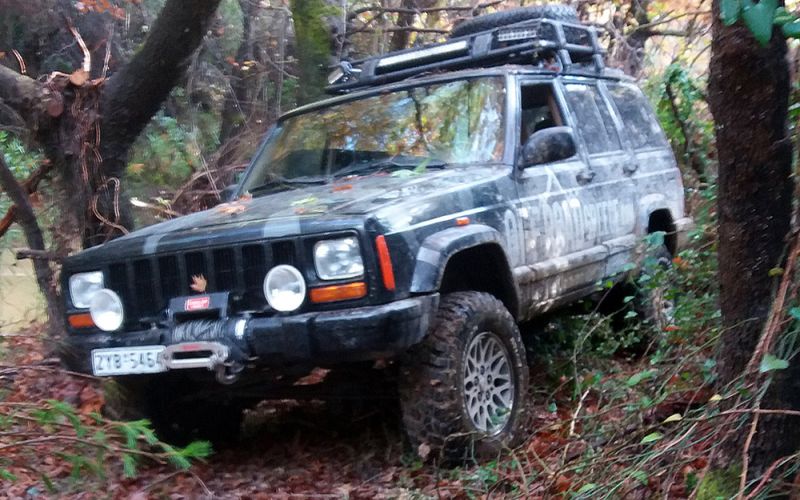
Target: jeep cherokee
444,195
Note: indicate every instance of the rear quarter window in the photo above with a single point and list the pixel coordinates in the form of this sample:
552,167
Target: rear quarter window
640,123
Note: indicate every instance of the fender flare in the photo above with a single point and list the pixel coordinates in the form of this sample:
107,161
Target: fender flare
437,250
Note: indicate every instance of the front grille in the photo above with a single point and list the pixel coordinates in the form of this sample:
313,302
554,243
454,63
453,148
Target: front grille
146,285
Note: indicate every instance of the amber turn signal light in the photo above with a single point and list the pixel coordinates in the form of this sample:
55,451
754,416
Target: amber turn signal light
385,262
82,320
336,293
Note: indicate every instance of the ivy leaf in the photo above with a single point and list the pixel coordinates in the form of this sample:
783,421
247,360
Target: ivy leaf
783,17
730,11
638,377
760,18
771,363
651,438
791,30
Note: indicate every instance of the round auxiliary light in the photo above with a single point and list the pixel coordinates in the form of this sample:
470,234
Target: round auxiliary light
106,310
284,288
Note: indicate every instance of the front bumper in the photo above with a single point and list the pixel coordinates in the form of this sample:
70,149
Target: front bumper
348,335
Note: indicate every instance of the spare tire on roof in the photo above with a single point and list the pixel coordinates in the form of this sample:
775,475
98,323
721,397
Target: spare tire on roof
556,12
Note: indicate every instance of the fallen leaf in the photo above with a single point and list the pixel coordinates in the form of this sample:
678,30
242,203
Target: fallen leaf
231,208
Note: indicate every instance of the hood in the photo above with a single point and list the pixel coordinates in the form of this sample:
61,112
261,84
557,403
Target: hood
387,196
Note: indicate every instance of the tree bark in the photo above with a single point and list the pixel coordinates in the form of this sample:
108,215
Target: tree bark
748,96
133,95
26,218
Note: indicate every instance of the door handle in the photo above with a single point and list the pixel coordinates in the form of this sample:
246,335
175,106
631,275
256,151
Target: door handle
585,176
629,169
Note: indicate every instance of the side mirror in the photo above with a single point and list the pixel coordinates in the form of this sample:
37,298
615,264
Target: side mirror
548,146
228,193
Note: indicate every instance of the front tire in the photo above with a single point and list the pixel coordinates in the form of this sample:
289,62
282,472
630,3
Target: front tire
463,390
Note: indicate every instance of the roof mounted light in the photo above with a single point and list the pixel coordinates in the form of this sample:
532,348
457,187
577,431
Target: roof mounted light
517,34
447,49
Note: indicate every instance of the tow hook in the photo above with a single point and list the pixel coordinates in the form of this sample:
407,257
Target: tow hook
209,355
228,373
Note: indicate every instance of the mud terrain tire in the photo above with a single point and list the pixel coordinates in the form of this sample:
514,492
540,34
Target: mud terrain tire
434,389
563,13
174,420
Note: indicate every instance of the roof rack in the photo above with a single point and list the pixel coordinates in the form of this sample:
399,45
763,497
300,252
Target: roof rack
527,42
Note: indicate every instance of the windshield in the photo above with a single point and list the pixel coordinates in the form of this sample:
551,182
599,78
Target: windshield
441,124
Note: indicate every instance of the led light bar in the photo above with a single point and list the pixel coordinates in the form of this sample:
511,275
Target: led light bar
517,34
439,50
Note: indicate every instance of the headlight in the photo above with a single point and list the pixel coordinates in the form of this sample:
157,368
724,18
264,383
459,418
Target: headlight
338,259
82,286
106,310
285,288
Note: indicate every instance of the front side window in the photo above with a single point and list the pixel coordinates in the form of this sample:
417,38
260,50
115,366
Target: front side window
448,123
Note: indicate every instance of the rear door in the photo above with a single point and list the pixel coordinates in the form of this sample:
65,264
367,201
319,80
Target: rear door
607,194
657,178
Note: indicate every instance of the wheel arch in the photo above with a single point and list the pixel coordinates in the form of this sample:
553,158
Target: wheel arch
472,258
661,220
655,215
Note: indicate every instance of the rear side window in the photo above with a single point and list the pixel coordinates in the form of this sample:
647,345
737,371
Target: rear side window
593,119
637,116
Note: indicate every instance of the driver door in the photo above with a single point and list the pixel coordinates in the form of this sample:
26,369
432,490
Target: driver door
562,255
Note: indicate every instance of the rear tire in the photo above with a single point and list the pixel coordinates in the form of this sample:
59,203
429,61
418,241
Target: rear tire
463,391
485,22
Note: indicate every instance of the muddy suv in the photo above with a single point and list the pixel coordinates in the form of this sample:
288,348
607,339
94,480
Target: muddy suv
445,195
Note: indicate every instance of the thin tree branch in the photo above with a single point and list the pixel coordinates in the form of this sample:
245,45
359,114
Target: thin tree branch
30,185
33,234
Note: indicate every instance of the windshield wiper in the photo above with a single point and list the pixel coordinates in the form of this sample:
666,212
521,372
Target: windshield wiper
395,162
278,182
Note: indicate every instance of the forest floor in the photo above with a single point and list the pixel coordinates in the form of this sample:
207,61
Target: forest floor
288,449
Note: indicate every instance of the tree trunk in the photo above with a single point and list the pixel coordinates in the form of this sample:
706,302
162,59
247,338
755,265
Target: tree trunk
748,96
313,47
400,39
133,95
238,102
26,218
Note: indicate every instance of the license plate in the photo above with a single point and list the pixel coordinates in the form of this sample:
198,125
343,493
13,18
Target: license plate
127,360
